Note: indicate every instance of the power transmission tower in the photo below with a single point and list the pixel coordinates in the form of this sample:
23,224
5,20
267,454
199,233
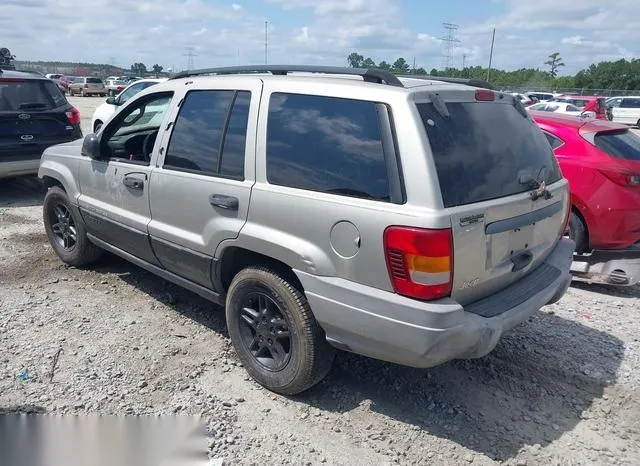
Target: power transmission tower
190,54
449,41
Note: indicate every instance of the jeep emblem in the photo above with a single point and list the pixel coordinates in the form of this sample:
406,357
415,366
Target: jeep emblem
24,116
26,137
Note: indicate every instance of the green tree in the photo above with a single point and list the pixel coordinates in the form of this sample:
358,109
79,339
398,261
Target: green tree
139,69
368,63
355,60
554,62
157,69
383,65
400,66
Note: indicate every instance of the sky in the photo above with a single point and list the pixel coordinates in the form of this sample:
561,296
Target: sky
224,33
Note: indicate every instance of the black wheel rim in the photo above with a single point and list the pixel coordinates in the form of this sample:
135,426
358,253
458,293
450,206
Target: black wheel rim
264,331
62,226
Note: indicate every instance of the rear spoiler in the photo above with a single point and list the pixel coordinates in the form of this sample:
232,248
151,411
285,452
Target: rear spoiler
592,128
473,82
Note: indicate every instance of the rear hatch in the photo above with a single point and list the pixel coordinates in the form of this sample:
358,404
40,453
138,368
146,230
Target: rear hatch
501,185
32,117
94,84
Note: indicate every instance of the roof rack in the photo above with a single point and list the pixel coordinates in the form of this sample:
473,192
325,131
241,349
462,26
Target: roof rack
369,75
473,82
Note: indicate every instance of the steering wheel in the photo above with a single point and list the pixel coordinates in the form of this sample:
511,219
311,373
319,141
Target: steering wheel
147,145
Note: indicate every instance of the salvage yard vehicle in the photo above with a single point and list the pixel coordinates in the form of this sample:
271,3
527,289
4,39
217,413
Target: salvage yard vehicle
34,114
112,104
86,86
409,220
601,160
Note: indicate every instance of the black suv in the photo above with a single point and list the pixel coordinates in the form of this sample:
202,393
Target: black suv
34,115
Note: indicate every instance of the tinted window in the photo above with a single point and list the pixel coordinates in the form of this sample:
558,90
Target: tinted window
614,102
232,160
130,92
195,142
630,103
554,142
326,144
486,151
94,80
30,95
623,144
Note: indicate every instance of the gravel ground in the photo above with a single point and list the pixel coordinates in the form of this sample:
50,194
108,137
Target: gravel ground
562,388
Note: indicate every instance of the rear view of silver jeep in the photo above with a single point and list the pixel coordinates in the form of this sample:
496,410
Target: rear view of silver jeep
409,220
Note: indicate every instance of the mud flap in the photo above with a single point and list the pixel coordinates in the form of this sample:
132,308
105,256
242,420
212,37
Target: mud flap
610,267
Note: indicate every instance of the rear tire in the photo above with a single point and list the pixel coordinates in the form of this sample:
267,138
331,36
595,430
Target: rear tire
578,233
65,231
274,332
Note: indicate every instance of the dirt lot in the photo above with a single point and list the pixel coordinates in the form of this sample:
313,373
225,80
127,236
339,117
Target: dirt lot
563,388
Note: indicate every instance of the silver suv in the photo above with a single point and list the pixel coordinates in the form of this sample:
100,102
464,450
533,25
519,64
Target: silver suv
409,220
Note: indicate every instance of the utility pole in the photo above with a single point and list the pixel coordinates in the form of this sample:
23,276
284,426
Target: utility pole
464,61
493,39
449,42
189,56
266,41
414,64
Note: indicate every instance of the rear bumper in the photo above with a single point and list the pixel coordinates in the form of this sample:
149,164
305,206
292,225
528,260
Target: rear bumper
20,167
390,327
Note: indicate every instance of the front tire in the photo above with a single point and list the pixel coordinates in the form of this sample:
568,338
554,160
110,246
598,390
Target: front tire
65,231
274,332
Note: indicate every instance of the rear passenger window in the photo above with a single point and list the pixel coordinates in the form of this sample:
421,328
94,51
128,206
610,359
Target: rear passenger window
326,144
199,143
630,103
554,142
232,160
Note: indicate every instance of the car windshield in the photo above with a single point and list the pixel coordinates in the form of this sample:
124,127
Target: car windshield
622,144
485,151
29,95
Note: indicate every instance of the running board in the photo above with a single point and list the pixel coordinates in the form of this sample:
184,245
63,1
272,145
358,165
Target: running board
610,267
178,280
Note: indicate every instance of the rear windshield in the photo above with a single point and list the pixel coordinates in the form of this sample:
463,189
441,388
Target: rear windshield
485,151
623,144
30,95
94,80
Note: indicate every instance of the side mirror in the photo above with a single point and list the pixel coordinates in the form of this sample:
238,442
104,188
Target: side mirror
91,146
112,101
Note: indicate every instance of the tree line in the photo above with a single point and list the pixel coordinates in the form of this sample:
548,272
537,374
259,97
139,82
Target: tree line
621,74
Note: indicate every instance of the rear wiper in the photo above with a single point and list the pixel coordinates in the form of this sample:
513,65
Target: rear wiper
32,105
439,105
539,188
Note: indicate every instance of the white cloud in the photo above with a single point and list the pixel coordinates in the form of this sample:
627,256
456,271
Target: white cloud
236,7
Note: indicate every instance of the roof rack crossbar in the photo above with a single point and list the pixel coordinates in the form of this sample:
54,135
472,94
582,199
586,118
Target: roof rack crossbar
369,75
473,82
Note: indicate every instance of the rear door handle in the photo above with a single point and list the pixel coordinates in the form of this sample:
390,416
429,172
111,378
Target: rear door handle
133,182
224,202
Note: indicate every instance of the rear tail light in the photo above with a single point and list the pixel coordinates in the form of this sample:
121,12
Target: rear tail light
485,95
420,261
622,178
73,116
11,80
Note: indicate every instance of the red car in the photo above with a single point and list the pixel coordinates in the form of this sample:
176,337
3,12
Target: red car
588,103
601,161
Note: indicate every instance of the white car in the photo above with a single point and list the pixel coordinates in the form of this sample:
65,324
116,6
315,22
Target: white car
541,96
109,108
625,109
561,107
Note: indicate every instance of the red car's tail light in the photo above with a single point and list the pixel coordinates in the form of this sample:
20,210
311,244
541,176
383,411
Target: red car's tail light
621,178
73,116
420,261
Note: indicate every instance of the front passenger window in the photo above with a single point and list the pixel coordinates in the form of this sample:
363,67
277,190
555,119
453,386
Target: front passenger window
132,134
